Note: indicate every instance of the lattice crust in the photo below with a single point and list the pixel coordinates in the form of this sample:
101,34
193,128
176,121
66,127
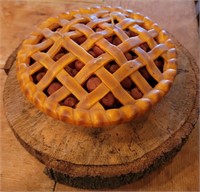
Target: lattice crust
96,66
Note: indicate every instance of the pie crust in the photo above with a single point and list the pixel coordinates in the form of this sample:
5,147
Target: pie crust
96,66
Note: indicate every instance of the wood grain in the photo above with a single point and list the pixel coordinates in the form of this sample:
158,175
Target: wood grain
17,166
181,174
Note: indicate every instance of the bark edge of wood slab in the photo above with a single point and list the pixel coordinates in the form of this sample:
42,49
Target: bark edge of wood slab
109,171
10,61
100,182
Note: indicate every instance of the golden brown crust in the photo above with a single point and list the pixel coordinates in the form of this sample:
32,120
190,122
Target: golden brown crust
91,48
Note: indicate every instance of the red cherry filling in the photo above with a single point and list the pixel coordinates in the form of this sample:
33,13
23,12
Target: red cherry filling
92,83
159,63
112,68
80,40
145,73
58,56
40,75
145,47
108,101
127,83
53,87
70,101
116,41
71,71
97,50
36,77
79,65
136,93
128,56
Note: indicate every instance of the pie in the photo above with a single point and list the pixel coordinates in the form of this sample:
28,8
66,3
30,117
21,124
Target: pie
96,66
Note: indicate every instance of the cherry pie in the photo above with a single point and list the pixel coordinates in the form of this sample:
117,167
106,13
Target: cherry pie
96,66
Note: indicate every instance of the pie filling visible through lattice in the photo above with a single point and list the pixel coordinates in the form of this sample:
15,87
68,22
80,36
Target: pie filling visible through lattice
96,66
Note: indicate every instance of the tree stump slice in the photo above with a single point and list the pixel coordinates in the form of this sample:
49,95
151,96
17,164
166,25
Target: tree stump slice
99,158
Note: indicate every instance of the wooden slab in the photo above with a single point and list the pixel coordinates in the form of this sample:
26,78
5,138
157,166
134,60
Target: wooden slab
18,166
107,157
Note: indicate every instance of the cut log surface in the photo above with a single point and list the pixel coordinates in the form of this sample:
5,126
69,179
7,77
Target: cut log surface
107,157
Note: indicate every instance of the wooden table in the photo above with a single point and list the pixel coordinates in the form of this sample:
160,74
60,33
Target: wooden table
22,172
